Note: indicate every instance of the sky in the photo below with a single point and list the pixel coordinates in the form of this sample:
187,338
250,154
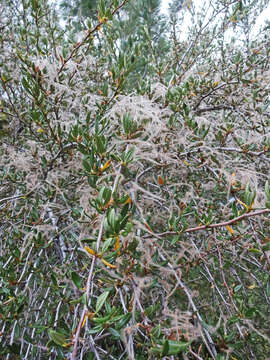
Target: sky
165,4
265,15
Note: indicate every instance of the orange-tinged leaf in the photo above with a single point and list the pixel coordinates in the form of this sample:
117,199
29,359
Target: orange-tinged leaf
128,201
61,59
160,180
231,231
108,264
233,182
91,314
148,227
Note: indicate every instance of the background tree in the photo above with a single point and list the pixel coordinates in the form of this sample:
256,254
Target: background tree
134,196
79,11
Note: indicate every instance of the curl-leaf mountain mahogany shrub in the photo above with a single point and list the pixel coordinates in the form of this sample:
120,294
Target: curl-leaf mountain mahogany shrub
135,214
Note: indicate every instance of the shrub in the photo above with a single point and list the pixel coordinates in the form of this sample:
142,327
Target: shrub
134,194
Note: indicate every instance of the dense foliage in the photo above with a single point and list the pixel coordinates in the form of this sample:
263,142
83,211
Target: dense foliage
134,181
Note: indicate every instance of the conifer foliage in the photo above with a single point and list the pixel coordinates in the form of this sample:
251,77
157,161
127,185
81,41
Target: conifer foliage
134,181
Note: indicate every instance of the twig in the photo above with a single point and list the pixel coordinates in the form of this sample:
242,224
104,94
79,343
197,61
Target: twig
19,196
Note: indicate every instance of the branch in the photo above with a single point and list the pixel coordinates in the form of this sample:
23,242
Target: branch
213,108
89,284
252,153
210,226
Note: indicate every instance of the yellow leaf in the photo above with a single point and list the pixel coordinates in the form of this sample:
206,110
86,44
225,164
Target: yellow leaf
108,264
40,130
105,166
103,20
252,286
186,163
231,231
84,320
189,4
215,83
242,203
117,244
90,251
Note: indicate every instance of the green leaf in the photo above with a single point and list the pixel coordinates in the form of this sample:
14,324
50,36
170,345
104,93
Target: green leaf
237,288
101,299
123,321
107,243
165,348
76,279
266,247
233,319
95,329
87,165
250,313
115,333
112,218
156,331
254,250
175,347
268,288
89,356
57,337
104,319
